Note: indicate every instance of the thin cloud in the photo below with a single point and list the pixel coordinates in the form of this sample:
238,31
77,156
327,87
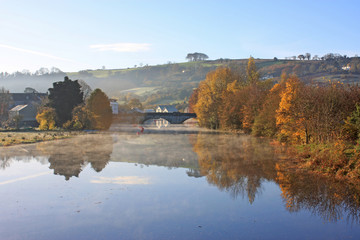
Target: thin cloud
35,53
122,47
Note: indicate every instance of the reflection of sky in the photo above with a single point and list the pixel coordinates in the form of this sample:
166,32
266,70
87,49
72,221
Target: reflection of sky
126,180
25,178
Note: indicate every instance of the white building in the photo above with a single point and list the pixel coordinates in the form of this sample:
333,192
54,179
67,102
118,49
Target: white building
346,68
166,109
114,106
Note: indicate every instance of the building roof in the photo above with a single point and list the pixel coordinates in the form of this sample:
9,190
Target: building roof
27,97
169,108
18,108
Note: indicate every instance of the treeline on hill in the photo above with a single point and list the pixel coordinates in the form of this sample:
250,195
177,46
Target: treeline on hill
71,107
322,120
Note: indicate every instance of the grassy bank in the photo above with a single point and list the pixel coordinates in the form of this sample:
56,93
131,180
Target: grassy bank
340,160
8,138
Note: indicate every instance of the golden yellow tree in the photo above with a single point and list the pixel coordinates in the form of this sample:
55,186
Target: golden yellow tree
252,74
46,118
288,119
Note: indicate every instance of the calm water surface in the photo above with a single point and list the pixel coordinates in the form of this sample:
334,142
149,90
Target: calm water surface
173,183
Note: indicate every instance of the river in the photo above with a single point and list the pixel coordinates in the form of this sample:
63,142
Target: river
170,183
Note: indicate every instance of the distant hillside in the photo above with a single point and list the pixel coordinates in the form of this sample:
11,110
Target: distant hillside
173,83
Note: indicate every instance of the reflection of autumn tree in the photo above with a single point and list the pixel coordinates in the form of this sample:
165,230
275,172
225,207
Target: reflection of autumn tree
4,162
236,165
69,157
328,199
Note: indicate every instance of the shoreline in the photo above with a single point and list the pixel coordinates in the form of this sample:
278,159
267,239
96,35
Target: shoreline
18,137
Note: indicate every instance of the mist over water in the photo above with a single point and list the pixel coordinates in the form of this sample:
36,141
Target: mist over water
167,183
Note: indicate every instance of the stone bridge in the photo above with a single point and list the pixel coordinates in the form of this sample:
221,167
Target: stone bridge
173,118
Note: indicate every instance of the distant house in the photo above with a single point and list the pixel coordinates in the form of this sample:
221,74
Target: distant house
166,109
114,106
346,68
27,113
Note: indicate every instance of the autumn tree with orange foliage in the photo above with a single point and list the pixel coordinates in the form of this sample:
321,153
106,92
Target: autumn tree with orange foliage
265,121
210,94
193,100
225,100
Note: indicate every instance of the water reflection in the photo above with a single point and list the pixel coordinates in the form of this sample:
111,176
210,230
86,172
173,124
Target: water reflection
331,200
236,164
240,164
66,157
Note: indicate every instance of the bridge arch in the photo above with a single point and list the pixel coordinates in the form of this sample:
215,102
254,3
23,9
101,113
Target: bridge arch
173,118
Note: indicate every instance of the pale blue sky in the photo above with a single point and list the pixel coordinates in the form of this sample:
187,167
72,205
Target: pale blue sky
75,35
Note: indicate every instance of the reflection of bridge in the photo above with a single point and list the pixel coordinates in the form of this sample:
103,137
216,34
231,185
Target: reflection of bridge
173,118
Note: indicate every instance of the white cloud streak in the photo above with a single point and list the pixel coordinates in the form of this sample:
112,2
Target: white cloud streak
36,53
25,178
125,180
122,47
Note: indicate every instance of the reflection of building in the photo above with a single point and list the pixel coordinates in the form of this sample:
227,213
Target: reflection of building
166,109
161,123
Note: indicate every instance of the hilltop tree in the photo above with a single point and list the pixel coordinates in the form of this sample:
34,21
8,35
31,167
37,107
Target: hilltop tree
316,57
308,56
63,97
193,57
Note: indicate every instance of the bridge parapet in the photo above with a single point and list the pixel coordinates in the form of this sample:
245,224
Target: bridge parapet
173,118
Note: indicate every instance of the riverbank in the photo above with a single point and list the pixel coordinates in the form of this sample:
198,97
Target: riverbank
9,138
340,160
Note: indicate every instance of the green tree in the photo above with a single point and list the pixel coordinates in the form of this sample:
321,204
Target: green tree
63,97
99,105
